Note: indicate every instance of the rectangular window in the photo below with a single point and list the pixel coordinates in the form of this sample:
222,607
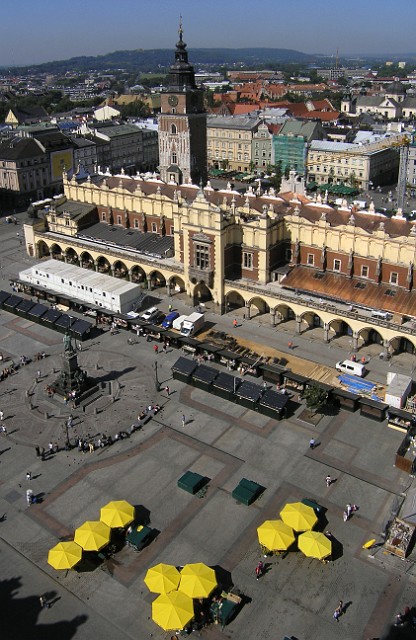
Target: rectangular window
202,256
310,260
247,260
394,277
154,227
337,265
364,271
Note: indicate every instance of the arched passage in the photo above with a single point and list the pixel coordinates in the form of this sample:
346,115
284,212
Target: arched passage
120,269
234,300
137,274
310,320
201,293
42,249
176,285
56,251
401,344
260,306
338,328
369,335
157,280
284,313
103,265
71,256
86,260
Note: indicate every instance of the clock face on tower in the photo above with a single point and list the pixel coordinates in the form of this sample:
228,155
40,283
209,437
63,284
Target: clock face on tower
173,101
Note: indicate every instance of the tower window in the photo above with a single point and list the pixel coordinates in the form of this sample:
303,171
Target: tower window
173,129
202,256
174,158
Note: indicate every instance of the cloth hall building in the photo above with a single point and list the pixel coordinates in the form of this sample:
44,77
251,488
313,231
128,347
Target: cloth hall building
345,271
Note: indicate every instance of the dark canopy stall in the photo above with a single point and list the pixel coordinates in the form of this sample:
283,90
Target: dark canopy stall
3,297
11,303
188,344
208,350
272,373
225,385
64,323
228,358
50,317
346,399
251,366
24,307
36,312
372,408
81,329
203,377
183,369
294,381
248,394
272,404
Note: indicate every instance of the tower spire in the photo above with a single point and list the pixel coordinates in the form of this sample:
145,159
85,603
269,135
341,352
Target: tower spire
180,31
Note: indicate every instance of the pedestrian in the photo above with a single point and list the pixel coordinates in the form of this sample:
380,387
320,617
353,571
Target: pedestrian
328,480
345,516
259,570
167,390
235,323
312,443
55,448
29,497
156,349
399,620
42,453
341,606
50,447
29,475
337,614
183,420
290,344
348,509
44,604
3,429
37,449
1,416
38,375
170,308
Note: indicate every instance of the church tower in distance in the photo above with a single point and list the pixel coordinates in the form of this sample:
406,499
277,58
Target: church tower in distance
182,124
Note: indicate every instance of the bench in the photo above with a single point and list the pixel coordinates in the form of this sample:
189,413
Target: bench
191,482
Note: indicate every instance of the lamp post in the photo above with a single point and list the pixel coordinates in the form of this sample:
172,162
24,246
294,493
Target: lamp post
157,383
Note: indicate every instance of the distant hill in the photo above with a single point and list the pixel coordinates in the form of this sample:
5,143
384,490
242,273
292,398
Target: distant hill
155,59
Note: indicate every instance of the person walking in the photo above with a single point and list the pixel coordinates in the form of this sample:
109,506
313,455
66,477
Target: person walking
328,480
170,308
183,420
235,323
156,349
29,475
44,604
1,416
167,390
348,509
337,614
312,443
259,570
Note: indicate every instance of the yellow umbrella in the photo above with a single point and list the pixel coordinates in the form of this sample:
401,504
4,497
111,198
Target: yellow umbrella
299,516
64,555
118,513
172,610
162,578
314,545
93,535
275,535
197,580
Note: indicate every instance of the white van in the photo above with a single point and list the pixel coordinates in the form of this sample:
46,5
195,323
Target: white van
348,366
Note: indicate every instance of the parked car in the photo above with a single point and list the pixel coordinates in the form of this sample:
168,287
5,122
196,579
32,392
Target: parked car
149,314
159,318
168,321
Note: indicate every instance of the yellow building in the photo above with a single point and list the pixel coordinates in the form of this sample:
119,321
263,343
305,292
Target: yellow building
229,141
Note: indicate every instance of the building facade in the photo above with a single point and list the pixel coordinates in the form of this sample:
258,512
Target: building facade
230,141
291,143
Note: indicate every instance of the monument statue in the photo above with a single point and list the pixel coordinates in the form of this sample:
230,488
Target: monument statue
67,342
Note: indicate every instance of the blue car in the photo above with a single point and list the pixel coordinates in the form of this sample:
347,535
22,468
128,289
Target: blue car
168,321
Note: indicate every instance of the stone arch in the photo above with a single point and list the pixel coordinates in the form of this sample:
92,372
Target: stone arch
261,306
55,251
42,249
103,265
234,300
71,256
201,293
120,270
401,344
176,285
86,260
157,280
137,274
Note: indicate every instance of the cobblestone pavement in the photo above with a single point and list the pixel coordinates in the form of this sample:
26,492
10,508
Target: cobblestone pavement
223,442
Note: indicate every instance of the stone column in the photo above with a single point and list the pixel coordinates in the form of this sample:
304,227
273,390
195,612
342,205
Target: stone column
130,272
96,265
326,333
248,311
298,324
354,341
272,317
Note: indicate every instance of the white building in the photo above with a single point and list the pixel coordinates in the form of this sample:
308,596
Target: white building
112,294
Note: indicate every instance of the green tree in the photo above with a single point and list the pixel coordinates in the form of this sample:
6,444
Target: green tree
315,397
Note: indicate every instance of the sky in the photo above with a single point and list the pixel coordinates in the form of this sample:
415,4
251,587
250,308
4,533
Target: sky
38,31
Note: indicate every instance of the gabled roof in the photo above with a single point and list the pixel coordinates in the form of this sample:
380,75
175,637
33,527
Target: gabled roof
25,115
20,149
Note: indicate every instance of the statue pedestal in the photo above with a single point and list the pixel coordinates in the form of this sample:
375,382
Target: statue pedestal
71,377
